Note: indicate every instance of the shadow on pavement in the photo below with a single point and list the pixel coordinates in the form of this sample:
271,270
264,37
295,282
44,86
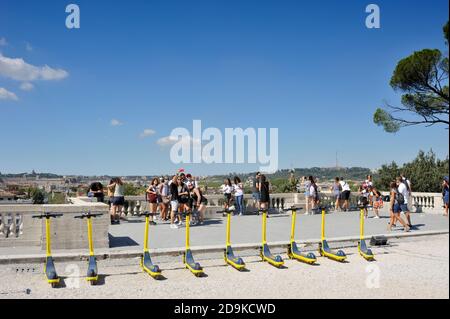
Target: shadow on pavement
115,242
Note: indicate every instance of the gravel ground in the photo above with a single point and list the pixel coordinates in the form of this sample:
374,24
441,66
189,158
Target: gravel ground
408,268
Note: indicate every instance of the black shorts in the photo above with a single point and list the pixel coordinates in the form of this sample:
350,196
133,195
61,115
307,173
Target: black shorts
345,195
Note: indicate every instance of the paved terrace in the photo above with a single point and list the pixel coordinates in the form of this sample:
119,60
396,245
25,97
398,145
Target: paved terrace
246,230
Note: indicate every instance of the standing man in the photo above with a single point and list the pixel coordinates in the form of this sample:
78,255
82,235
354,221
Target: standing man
403,197
345,194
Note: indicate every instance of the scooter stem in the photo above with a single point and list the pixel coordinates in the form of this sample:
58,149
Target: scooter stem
48,237
146,234
188,221
228,229
361,224
91,245
323,224
264,228
294,215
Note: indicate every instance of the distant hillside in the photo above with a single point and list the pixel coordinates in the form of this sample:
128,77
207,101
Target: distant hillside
352,173
31,175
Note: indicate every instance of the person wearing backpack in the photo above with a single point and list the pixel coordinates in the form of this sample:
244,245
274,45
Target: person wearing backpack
395,209
402,197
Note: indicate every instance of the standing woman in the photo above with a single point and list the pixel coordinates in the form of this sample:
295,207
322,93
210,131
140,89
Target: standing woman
313,193
239,195
118,199
183,198
307,185
174,201
152,199
199,201
110,189
264,192
337,189
165,198
227,189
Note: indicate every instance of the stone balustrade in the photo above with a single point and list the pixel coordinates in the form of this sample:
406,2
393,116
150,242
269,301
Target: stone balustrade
431,203
18,228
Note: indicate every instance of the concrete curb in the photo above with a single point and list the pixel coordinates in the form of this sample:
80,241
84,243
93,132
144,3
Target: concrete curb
338,242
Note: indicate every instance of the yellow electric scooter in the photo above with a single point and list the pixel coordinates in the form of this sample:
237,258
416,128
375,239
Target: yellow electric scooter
146,261
324,249
230,258
265,253
188,258
92,272
49,266
293,251
363,250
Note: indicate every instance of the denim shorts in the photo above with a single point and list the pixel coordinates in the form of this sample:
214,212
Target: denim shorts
400,208
118,201
256,196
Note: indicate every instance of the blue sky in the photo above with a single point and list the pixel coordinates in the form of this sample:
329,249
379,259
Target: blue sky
310,68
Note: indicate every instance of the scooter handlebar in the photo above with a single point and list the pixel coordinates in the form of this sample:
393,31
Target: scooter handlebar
292,208
47,215
226,211
87,215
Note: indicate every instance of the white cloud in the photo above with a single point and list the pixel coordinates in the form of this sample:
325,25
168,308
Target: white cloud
171,140
3,42
26,86
17,69
147,132
7,95
115,122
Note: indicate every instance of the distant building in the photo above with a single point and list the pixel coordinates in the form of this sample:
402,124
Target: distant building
7,197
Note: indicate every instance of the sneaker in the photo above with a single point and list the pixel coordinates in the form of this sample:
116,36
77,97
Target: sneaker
377,217
180,223
152,223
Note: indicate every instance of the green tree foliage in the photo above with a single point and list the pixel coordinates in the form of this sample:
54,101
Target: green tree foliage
131,190
423,79
425,173
37,195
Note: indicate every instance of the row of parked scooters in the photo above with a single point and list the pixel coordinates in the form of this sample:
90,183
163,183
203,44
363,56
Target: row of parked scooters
231,259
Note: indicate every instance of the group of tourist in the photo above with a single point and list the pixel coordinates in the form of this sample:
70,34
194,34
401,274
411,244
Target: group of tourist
181,193
340,190
235,192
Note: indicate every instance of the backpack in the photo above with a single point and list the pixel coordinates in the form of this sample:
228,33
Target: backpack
399,197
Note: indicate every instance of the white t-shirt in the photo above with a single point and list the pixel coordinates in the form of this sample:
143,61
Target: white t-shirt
226,189
402,189
345,186
238,191
312,191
